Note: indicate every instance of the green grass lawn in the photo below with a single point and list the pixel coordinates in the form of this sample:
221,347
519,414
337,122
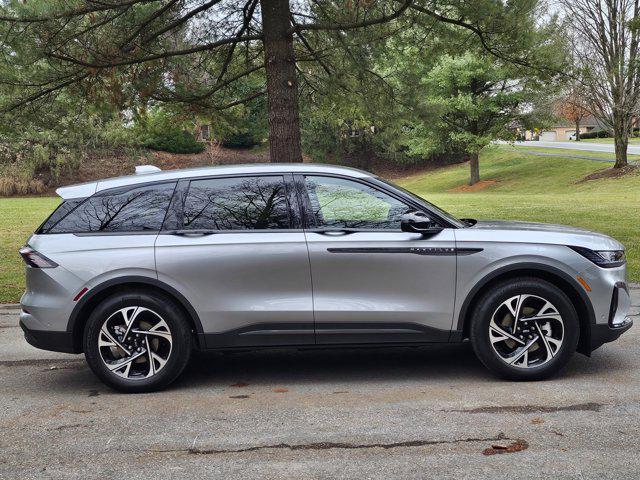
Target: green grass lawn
571,153
527,187
19,217
632,140
541,189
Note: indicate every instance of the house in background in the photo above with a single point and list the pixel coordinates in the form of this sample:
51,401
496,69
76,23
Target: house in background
564,130
203,132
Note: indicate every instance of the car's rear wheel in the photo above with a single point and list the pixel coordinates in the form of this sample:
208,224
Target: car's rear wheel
524,329
137,341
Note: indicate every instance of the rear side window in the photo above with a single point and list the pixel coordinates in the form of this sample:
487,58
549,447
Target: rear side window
125,209
246,203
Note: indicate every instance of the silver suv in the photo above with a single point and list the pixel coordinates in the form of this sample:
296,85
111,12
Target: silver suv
138,271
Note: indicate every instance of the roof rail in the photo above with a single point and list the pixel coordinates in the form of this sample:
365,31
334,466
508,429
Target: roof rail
142,169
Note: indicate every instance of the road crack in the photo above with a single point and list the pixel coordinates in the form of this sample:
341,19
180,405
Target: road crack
580,407
331,445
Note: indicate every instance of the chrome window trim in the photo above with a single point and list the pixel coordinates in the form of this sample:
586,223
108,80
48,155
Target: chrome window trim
369,182
294,187
103,192
184,184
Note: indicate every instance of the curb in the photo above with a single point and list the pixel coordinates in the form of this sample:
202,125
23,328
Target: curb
9,306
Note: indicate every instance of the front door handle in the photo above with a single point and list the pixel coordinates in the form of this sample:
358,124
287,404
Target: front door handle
335,232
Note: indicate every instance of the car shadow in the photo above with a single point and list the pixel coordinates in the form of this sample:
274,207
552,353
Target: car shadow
336,365
431,365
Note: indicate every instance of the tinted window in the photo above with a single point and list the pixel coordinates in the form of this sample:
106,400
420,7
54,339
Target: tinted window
336,202
62,210
119,210
245,203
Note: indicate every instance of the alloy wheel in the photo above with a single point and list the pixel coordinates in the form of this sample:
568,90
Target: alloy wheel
135,343
526,331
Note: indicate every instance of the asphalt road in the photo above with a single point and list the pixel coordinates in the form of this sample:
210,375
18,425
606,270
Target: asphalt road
385,413
583,146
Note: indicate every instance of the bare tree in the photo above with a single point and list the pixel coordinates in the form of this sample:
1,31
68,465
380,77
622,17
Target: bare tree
607,44
574,106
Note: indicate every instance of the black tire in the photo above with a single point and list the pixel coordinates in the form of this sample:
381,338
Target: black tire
179,328
489,303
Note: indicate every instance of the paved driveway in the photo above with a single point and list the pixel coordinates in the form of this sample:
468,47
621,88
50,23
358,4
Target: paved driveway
583,146
382,413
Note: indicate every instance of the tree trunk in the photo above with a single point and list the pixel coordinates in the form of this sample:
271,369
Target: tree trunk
577,130
474,163
282,84
621,140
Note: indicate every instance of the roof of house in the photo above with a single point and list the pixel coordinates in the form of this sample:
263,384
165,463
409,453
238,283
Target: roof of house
588,121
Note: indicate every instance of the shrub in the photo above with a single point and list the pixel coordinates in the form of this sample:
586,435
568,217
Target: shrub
17,186
596,134
175,141
239,140
38,159
160,130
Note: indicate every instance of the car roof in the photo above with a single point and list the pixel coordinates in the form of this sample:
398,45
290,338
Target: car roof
83,190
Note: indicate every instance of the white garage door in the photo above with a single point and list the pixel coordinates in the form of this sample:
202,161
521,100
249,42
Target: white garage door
548,136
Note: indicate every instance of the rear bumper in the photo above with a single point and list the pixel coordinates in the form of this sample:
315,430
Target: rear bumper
49,340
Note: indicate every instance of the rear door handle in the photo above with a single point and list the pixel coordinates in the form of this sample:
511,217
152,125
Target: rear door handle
193,233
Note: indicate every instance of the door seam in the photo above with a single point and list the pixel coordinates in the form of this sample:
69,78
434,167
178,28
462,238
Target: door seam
313,299
455,286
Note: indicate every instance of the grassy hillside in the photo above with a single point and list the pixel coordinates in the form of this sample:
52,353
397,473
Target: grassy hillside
541,189
569,153
515,185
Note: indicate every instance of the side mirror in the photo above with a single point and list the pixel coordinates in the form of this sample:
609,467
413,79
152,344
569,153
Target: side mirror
419,222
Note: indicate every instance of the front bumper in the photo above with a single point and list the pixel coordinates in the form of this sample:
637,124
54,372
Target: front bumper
49,340
601,334
618,322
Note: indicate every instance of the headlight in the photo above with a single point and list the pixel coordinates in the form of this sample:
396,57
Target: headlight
602,258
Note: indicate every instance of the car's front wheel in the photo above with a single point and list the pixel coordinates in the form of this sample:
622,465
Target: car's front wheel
137,341
524,329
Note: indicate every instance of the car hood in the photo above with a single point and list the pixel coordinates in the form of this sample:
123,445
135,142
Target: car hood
534,232
530,227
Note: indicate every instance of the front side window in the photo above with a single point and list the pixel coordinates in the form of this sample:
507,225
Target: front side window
342,203
125,209
238,203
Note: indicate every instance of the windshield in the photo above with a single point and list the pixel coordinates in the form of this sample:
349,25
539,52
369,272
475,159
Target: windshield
446,215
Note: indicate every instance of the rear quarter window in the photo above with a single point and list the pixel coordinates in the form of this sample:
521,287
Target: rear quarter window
126,209
59,213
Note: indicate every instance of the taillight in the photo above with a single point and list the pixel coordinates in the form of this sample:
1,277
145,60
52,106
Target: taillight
35,259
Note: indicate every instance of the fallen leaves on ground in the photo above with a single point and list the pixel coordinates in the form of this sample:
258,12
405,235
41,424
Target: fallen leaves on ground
516,446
